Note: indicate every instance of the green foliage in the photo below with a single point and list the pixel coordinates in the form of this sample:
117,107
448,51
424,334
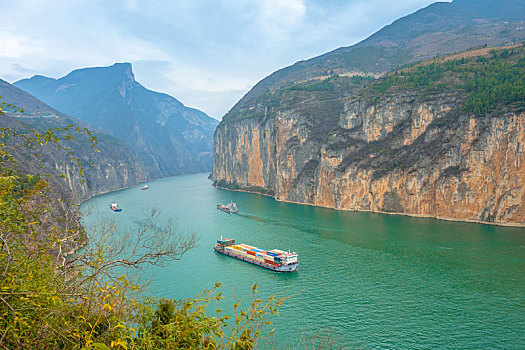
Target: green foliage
495,83
422,76
323,85
490,82
187,324
361,80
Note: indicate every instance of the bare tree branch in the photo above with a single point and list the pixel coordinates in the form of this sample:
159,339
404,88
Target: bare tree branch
6,248
149,244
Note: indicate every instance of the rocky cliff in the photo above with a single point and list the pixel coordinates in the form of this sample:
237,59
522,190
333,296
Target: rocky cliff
415,144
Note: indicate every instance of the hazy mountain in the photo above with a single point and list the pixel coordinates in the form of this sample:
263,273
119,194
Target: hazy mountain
115,166
169,138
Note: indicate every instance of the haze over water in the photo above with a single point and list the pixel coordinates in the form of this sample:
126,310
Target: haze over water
377,281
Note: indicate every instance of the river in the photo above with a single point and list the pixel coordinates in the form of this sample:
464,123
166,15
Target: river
371,280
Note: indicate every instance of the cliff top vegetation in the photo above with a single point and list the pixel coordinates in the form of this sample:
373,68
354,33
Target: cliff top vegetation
484,86
493,79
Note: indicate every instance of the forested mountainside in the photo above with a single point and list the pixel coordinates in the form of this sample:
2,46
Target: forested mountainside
113,166
441,28
441,139
169,138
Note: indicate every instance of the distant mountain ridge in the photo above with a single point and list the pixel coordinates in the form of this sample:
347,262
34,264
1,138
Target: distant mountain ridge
169,138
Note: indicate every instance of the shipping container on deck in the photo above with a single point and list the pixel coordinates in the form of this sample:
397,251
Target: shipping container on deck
226,241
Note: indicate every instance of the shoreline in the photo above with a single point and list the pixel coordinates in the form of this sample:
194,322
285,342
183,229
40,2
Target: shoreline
424,216
138,184
106,192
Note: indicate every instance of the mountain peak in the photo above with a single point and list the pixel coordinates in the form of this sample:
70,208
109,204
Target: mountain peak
124,67
122,64
39,77
115,73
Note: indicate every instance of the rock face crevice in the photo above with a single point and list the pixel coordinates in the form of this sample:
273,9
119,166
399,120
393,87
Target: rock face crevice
402,154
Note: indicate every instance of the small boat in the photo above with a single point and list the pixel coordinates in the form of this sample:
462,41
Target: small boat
275,259
228,208
145,187
113,206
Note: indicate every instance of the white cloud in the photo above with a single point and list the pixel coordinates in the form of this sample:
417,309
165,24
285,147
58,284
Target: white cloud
279,19
16,46
284,12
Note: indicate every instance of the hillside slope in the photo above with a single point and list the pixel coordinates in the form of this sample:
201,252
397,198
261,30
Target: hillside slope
440,28
169,138
116,166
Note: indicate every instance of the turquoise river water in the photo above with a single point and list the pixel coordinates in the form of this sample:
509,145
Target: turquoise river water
371,280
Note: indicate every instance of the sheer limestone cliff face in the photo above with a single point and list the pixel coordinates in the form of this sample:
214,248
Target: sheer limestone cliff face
104,171
105,176
405,154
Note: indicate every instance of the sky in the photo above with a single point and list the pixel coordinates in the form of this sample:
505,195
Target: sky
205,53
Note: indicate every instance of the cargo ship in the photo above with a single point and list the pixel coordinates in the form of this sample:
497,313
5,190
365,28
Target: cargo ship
275,260
228,208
